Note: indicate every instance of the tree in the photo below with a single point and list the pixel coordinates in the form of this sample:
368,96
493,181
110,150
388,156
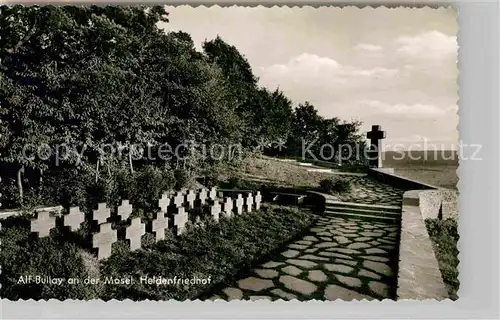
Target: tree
93,77
241,81
310,131
306,128
89,77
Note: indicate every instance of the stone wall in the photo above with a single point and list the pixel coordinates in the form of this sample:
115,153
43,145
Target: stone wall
439,204
386,170
386,176
434,202
419,276
317,201
4,214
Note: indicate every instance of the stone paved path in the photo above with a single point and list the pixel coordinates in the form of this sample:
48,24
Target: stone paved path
370,191
346,259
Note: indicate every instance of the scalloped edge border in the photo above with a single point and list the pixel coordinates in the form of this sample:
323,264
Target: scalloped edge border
446,5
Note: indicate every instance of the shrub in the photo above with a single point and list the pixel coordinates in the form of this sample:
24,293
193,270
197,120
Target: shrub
445,227
148,185
335,185
70,186
64,185
182,178
209,179
444,235
236,182
31,196
10,194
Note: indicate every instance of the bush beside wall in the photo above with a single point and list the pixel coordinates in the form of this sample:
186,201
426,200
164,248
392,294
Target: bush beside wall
444,236
335,185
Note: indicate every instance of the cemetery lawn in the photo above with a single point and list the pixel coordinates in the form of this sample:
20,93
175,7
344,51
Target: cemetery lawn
444,236
215,251
256,172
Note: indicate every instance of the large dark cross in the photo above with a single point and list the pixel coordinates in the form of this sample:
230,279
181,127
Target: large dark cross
375,136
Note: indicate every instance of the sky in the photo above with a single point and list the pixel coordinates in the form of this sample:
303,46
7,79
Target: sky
391,67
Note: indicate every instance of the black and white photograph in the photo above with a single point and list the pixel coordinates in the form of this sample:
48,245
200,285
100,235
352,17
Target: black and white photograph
229,153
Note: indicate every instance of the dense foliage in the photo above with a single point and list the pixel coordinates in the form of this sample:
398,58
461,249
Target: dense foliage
218,250
444,235
78,82
23,255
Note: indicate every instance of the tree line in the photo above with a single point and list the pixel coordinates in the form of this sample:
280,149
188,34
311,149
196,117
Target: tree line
90,77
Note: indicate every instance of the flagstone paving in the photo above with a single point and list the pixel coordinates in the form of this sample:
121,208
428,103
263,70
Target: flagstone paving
370,191
340,258
327,265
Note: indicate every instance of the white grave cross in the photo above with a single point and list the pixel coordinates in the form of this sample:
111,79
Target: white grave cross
180,220
125,209
134,233
74,219
215,210
249,202
104,240
202,196
179,199
159,225
164,202
239,204
102,213
212,194
228,206
190,197
43,224
258,200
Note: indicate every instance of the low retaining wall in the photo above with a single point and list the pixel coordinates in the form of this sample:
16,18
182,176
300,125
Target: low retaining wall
4,214
419,276
439,204
317,201
386,170
386,175
434,202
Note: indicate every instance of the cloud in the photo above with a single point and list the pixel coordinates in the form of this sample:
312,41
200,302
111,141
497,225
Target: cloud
303,64
368,47
410,110
312,60
311,67
433,45
376,72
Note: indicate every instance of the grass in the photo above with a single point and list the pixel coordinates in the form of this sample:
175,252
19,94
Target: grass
444,235
270,175
345,167
218,250
266,171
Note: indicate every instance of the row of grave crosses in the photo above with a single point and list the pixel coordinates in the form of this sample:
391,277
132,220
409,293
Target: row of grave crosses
170,205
